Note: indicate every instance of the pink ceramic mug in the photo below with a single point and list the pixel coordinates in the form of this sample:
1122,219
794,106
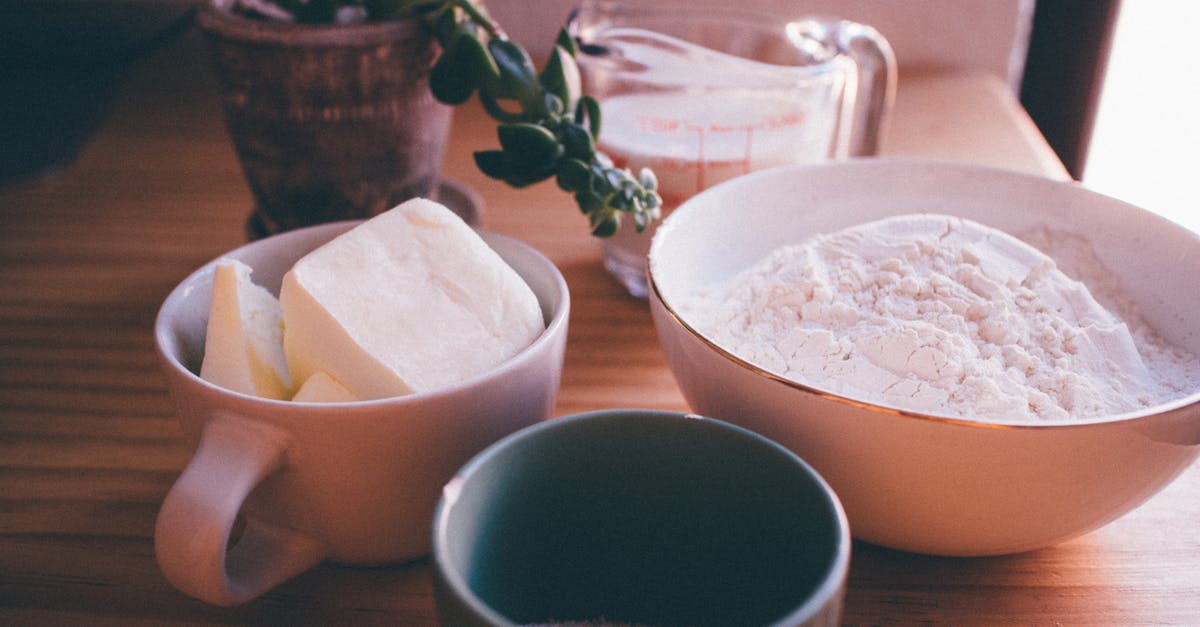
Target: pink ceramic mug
353,483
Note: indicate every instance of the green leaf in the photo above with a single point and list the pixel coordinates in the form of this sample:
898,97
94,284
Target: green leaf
526,175
577,142
494,163
567,42
449,81
627,194
477,61
561,77
572,175
648,179
554,108
589,201
503,166
588,110
652,201
614,178
516,78
605,224
529,143
641,218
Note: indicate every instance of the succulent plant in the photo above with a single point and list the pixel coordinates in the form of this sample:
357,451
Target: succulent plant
546,126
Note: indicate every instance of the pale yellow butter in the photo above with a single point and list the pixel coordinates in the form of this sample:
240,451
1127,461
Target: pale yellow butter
322,388
409,301
243,346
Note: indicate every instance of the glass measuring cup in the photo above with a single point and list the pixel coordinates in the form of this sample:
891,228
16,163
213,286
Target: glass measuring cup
704,94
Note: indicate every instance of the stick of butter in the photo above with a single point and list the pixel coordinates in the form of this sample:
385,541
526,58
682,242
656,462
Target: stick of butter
408,301
243,348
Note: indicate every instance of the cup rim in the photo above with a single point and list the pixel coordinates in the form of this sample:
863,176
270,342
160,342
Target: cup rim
833,580
555,325
671,9
676,11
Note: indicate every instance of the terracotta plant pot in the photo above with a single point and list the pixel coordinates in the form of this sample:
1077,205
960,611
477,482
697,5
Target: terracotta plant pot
330,122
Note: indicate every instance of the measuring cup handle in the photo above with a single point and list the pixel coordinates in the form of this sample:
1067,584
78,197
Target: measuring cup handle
875,88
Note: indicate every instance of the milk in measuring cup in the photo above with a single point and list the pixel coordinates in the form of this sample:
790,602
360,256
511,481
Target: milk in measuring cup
692,143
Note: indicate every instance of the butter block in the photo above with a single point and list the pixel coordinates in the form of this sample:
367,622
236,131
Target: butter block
243,348
409,301
322,388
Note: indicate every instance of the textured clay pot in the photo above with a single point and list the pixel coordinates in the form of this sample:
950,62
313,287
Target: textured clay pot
330,122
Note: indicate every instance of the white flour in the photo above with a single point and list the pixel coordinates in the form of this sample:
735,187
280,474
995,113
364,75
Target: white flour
940,315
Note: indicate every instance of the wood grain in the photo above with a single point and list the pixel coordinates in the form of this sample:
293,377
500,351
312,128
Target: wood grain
89,444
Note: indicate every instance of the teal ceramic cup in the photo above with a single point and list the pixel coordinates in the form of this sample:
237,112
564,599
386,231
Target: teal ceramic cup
635,517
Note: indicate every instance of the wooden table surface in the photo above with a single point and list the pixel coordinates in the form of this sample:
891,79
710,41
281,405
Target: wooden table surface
89,444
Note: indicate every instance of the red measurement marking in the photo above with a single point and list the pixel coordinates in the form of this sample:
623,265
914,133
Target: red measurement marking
749,151
699,154
701,163
659,125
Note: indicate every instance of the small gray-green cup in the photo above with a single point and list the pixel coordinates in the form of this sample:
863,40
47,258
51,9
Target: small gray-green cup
633,517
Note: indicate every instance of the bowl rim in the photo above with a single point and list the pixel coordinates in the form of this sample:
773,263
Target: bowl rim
656,295
824,597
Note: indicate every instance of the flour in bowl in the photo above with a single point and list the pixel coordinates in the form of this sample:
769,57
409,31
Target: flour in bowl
941,315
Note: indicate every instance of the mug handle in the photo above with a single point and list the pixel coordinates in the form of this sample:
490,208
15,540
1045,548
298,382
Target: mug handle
872,94
192,532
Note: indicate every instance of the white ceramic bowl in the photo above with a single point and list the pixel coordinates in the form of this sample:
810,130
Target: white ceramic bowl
913,481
